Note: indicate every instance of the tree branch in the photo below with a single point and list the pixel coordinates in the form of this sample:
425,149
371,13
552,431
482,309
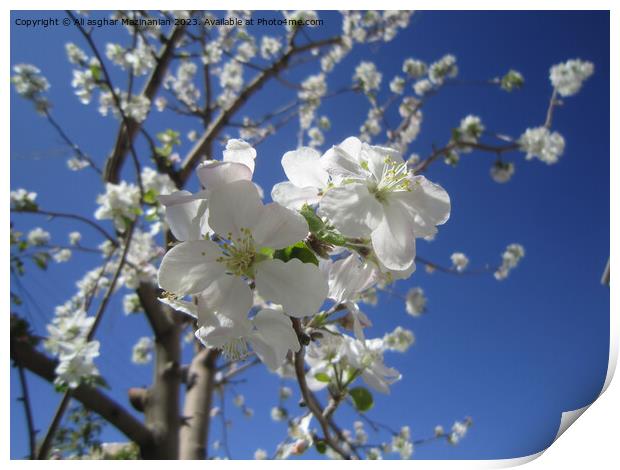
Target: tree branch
127,131
199,149
308,397
26,356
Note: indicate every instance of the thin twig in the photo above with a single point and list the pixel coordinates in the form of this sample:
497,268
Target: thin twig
25,399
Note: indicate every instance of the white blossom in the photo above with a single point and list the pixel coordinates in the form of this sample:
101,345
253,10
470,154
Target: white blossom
269,47
459,261
510,259
414,68
568,77
142,352
444,68
422,87
74,238
375,195
415,302
260,454
38,237
367,75
540,143
131,303
399,340
119,203
75,55
22,199
501,172
397,85
62,256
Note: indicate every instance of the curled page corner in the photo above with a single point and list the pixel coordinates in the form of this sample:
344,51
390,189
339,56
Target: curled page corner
569,417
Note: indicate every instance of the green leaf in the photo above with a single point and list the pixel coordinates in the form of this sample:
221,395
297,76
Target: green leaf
322,377
314,221
362,398
320,446
150,197
41,259
333,238
299,250
96,71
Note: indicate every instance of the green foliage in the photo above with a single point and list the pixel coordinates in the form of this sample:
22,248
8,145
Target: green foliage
80,435
299,250
322,377
513,80
362,398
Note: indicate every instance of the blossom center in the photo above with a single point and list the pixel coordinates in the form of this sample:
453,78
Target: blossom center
394,177
238,255
235,349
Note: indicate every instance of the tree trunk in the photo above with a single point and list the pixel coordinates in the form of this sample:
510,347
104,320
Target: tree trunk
200,383
161,406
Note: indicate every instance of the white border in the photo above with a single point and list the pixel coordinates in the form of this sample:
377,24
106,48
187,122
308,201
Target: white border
593,442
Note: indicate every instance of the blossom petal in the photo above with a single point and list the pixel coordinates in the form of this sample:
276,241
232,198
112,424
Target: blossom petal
430,200
299,287
234,206
344,160
393,239
189,267
303,168
213,173
183,306
227,295
186,215
279,227
352,209
274,337
240,151
348,277
293,197
377,158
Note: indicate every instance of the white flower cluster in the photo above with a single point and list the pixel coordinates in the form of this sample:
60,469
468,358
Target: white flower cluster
313,89
134,107
231,81
68,340
540,143
75,55
401,444
269,47
31,84
142,352
568,77
22,199
459,430
501,172
140,59
183,86
367,76
469,131
433,76
459,261
120,203
415,302
371,26
510,259
365,199
37,237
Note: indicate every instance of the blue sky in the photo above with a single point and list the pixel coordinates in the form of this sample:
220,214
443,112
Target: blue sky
512,355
